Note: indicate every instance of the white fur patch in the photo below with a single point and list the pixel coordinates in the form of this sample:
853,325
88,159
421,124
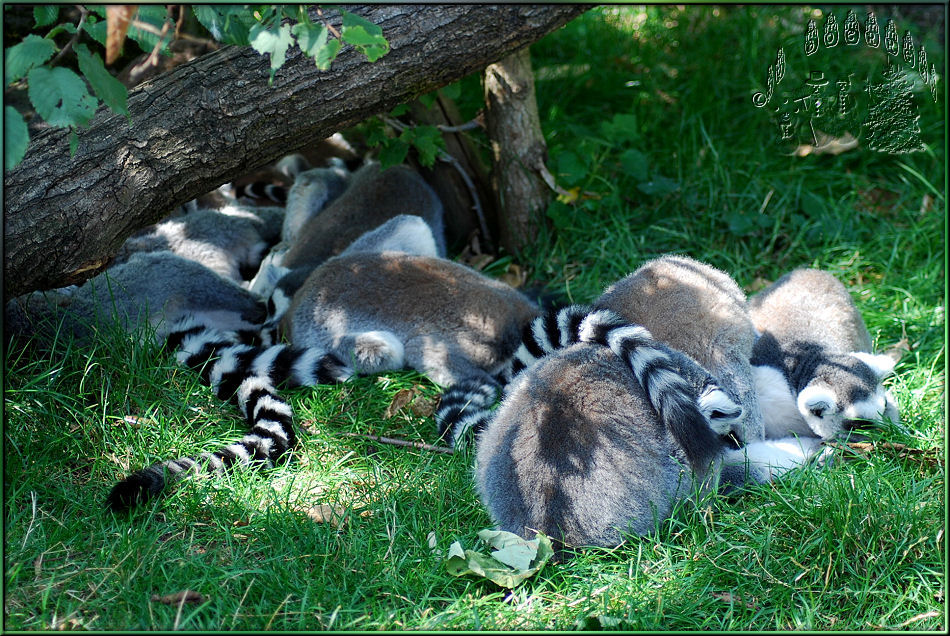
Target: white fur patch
714,401
540,335
823,399
778,456
881,364
227,363
379,350
264,361
274,428
269,272
780,413
405,233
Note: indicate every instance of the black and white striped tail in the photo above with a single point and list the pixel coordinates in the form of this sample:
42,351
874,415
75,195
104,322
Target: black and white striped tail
224,359
262,190
651,362
271,436
247,375
465,408
669,393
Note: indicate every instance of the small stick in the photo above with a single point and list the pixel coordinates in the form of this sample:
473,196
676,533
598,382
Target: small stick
402,442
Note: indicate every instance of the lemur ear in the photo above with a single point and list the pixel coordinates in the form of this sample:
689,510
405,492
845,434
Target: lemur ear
882,364
817,404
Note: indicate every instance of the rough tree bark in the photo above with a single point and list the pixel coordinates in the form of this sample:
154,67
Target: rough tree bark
214,118
518,149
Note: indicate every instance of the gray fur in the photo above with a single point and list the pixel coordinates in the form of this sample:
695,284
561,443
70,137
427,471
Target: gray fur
226,240
392,310
577,451
155,288
311,192
373,197
813,359
701,311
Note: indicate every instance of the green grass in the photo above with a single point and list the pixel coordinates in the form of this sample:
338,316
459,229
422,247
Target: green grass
855,545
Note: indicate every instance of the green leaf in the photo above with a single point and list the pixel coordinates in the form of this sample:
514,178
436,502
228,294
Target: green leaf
353,20
393,153
561,214
571,168
428,142
229,24
107,88
73,142
428,99
658,185
60,97
155,15
274,41
16,137
96,29
635,164
314,40
513,560
68,27
45,14
402,109
365,36
18,59
453,91
622,127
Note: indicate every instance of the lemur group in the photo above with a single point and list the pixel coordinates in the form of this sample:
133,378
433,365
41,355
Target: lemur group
585,422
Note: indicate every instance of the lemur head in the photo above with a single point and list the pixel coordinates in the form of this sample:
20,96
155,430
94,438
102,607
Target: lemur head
846,392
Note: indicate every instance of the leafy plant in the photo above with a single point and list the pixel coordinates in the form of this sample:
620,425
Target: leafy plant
60,95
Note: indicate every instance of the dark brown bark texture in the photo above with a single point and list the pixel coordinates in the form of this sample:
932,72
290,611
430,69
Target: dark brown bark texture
215,118
518,149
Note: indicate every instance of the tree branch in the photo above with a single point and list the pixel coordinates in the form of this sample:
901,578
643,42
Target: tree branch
214,118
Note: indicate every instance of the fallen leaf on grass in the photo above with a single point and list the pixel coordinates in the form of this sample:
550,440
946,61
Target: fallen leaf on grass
513,560
412,398
325,513
400,400
185,596
729,597
334,515
515,275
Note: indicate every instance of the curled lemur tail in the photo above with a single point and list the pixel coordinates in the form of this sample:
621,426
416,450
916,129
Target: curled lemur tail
465,406
262,190
246,375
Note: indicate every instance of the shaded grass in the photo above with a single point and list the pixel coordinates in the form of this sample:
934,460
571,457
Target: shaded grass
857,544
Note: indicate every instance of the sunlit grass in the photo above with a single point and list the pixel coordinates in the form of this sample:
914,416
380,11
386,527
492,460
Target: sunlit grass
857,544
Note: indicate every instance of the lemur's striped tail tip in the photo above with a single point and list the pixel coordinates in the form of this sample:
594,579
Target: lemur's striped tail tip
135,489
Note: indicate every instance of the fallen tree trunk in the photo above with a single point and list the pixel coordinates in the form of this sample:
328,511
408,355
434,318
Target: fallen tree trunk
214,118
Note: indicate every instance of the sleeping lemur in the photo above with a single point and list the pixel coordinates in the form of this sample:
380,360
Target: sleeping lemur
579,450
362,311
814,370
690,306
372,197
230,241
701,311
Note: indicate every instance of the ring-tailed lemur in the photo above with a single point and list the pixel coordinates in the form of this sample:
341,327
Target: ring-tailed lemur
149,289
467,408
374,310
372,197
701,311
230,241
579,450
691,306
814,370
